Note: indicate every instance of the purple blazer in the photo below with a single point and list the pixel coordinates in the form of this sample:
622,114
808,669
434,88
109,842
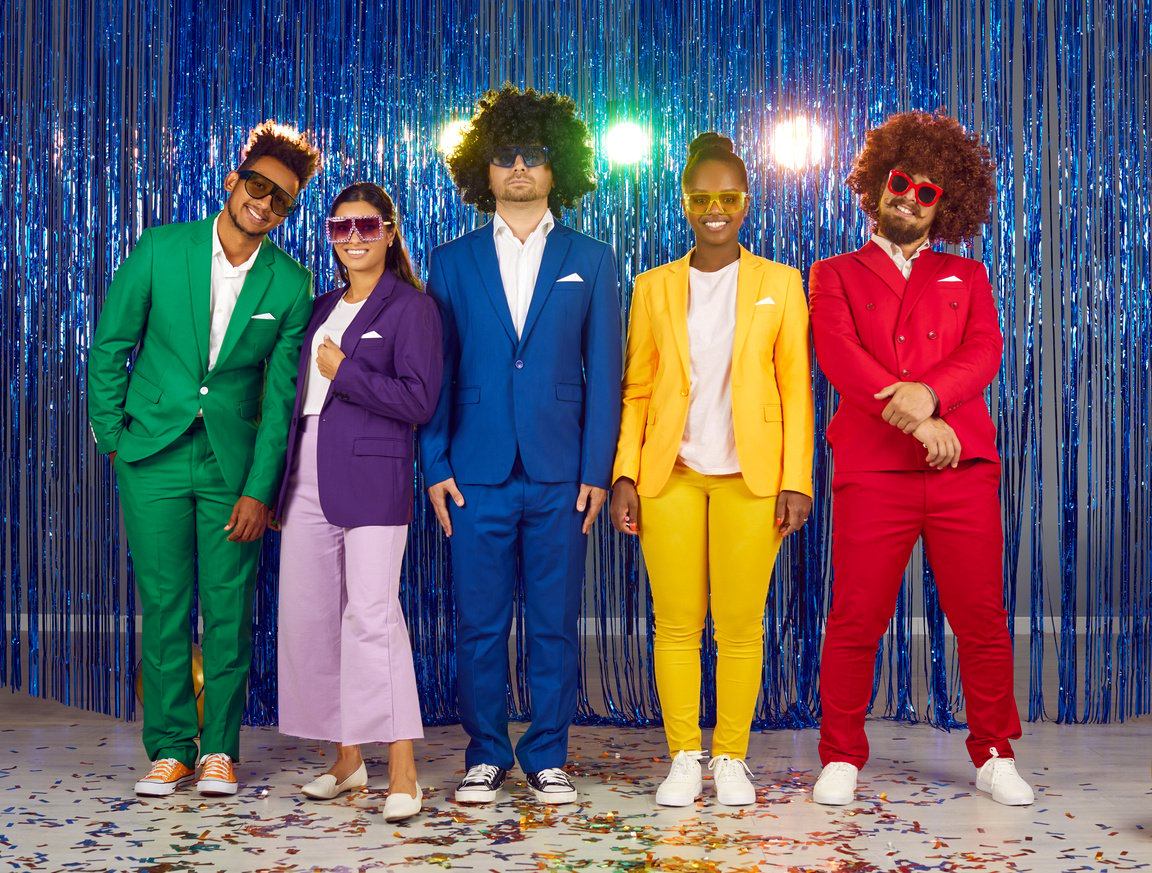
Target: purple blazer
387,384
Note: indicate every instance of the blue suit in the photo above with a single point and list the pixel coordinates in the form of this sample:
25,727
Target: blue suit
520,424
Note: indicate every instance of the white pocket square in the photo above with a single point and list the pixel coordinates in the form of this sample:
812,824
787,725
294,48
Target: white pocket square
765,300
571,277
266,316
951,279
370,335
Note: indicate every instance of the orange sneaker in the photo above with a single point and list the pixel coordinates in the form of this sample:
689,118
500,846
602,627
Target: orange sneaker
216,775
166,776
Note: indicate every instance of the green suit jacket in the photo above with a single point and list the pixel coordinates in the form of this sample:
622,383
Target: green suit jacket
160,304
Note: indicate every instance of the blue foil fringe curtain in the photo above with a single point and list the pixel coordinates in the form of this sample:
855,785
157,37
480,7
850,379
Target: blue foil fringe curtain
116,117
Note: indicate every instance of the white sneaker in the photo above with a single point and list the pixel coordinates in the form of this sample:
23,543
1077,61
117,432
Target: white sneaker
684,782
731,778
836,785
999,778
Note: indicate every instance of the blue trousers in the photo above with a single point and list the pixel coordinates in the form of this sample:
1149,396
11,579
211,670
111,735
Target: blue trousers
535,524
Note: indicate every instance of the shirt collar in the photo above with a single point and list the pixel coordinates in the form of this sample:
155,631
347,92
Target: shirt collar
218,251
895,252
500,226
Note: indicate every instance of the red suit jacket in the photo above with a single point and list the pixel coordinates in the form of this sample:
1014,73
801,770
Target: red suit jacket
870,328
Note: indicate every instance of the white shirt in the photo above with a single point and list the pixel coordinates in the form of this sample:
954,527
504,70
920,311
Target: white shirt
709,442
227,281
316,386
904,265
520,264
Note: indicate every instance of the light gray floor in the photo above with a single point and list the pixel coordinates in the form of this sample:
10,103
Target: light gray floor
66,803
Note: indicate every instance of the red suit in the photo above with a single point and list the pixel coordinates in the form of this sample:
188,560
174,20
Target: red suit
872,328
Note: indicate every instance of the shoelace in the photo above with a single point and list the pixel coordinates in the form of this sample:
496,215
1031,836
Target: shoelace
481,774
164,769
837,767
553,776
217,767
725,767
685,767
1000,766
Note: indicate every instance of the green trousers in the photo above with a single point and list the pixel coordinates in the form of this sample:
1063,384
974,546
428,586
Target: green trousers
175,505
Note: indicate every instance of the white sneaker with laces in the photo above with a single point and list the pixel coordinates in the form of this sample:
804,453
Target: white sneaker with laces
999,778
684,782
731,778
836,785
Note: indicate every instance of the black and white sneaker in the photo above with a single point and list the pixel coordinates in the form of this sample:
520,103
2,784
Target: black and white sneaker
552,786
480,784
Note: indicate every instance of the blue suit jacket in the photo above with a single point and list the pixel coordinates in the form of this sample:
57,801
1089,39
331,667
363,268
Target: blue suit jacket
553,395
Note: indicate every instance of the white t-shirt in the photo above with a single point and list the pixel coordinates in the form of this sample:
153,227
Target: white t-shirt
709,442
316,386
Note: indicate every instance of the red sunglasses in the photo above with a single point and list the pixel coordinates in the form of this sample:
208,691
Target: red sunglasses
925,192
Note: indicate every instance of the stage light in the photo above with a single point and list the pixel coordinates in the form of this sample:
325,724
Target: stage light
451,136
626,143
798,143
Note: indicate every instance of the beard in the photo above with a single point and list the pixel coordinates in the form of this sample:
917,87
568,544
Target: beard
230,208
520,193
898,229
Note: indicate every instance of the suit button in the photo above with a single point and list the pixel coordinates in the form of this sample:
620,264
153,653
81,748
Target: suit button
954,305
905,372
519,365
203,389
900,339
931,334
869,306
683,392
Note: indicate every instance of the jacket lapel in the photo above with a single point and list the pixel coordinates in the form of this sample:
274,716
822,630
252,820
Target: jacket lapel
199,256
747,292
924,270
255,285
555,250
676,299
877,260
369,310
488,268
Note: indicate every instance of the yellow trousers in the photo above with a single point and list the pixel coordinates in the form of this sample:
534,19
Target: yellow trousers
708,538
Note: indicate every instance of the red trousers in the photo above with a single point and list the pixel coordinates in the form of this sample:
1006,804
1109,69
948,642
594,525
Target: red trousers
876,520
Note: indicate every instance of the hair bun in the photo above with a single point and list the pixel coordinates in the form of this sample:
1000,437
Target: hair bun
710,141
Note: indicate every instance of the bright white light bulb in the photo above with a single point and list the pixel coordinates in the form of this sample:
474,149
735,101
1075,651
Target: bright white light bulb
798,143
626,143
451,136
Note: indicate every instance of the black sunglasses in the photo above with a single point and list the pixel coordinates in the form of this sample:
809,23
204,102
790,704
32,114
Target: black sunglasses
259,187
533,155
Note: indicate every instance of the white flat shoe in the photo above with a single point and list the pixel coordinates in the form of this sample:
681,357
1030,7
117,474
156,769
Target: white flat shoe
836,785
398,806
326,787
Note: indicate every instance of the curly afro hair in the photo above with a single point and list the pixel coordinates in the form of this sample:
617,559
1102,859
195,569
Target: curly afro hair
935,146
514,117
284,143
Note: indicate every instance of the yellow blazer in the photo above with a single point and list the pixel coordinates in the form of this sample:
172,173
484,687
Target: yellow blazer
771,378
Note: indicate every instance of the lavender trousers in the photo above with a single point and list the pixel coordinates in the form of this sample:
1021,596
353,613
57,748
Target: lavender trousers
344,658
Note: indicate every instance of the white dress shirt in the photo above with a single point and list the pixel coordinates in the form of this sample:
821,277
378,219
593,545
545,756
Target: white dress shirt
709,442
315,385
904,265
227,281
520,264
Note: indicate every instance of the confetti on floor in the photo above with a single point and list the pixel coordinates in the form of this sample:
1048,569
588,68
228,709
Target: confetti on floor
67,803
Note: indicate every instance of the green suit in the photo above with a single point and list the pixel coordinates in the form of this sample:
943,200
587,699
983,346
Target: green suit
179,474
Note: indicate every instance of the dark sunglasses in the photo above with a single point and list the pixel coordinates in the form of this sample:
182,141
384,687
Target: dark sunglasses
368,227
925,192
259,187
533,155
